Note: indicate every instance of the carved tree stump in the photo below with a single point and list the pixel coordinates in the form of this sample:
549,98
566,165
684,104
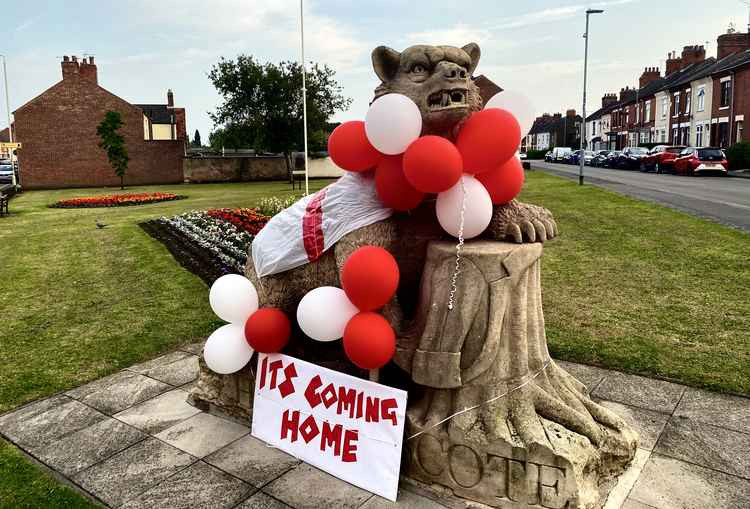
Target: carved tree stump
531,435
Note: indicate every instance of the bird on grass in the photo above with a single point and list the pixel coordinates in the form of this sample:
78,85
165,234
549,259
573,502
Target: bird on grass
100,225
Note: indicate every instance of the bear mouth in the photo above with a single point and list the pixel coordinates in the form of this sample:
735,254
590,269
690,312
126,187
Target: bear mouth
447,99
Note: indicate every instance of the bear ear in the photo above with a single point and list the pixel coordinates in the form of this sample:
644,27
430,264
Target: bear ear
473,50
385,61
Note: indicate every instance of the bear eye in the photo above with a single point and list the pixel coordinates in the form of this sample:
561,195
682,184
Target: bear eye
418,68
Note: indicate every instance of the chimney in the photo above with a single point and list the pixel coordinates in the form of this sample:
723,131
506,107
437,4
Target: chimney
693,55
69,67
570,113
649,74
170,98
88,70
674,63
627,94
608,99
731,43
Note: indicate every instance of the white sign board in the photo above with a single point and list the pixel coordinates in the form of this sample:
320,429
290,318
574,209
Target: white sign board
349,427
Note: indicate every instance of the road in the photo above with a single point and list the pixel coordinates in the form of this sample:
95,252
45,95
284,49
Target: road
723,199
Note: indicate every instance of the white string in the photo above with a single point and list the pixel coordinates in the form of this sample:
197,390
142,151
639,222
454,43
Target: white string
460,244
484,403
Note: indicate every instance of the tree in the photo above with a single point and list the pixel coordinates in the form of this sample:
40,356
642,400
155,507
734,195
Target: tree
262,105
197,139
114,144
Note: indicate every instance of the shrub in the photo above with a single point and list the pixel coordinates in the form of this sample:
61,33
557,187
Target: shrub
738,156
535,154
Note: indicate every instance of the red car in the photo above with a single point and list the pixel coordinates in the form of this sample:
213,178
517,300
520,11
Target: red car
661,158
693,161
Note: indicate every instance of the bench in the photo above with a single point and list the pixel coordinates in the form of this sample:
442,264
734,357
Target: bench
4,199
298,176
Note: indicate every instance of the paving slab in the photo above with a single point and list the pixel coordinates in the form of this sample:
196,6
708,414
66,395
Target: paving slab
634,504
199,485
706,445
639,391
722,410
648,423
667,483
169,358
262,501
176,373
159,413
203,434
590,376
306,487
405,500
252,461
119,391
90,445
34,426
194,348
132,471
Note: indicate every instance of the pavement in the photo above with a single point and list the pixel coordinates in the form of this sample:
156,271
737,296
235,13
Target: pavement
722,199
131,440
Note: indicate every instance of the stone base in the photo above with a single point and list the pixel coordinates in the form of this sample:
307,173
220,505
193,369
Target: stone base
228,395
575,475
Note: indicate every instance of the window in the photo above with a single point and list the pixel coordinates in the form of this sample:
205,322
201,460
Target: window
723,134
726,92
699,135
674,136
664,106
676,104
701,106
663,135
648,111
688,95
738,128
627,116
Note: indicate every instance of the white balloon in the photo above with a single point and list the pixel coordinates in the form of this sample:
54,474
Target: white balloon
477,215
324,312
392,123
233,298
226,350
518,104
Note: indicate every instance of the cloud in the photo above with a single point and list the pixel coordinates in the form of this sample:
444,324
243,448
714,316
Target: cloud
552,14
26,24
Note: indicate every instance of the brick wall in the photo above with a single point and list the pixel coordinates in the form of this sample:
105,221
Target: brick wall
60,144
234,169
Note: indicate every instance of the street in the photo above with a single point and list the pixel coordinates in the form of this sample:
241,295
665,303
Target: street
722,199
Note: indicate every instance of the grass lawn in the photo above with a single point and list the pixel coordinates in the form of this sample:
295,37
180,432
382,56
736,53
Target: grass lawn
627,285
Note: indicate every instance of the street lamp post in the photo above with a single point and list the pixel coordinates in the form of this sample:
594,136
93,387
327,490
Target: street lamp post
585,69
10,127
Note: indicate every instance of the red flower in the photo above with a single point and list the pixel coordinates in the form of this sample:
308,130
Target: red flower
246,219
111,200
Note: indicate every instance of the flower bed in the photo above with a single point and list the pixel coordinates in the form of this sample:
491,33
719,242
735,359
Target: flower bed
115,200
209,243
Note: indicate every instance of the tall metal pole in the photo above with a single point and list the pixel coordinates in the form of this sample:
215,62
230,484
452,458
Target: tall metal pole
10,126
581,157
304,89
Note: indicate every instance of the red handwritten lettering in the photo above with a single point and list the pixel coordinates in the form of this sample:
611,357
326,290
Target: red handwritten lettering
287,387
290,425
309,429
371,410
263,369
346,401
350,446
313,398
275,367
331,437
329,395
388,410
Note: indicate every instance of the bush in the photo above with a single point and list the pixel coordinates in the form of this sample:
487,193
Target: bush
535,154
272,205
738,156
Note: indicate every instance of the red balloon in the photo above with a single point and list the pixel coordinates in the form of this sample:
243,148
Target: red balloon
392,187
370,277
369,341
350,149
488,139
432,164
268,330
504,182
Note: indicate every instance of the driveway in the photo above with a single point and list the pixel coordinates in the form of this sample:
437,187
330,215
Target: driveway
722,199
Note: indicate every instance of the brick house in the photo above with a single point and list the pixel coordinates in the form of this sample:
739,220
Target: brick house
730,90
683,102
598,123
60,144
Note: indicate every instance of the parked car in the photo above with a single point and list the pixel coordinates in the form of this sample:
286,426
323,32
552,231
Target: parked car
661,158
568,157
548,156
599,157
6,173
694,161
588,155
522,156
610,161
630,158
559,153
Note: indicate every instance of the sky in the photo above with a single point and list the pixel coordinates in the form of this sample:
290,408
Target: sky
144,47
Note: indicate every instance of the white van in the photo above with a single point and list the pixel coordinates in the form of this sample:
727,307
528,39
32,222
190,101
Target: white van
558,153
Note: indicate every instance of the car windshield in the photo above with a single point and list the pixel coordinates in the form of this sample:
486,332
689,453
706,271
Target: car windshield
6,167
638,150
710,154
615,153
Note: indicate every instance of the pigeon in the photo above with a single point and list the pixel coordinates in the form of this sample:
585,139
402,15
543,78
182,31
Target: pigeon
100,225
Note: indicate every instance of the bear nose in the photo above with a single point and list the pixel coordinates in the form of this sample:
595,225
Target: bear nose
452,71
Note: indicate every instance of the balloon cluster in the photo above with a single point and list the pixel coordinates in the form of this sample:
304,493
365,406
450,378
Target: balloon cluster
234,299
370,279
468,176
